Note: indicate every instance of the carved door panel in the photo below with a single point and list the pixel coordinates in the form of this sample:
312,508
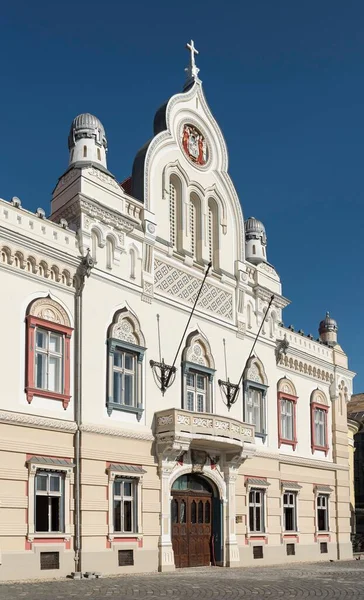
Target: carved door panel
191,529
179,530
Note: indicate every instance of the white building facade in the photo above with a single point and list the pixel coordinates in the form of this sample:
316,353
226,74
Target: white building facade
99,470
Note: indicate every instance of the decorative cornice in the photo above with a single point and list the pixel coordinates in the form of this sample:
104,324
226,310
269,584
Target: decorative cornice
125,433
37,422
265,294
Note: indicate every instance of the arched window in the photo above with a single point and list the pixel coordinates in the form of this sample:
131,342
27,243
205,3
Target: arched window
198,369
48,351
255,391
195,227
175,212
95,242
132,263
126,347
286,401
213,233
110,249
249,312
98,154
254,252
84,151
319,418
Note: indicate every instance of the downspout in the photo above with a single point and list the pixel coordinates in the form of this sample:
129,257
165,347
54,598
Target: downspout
83,271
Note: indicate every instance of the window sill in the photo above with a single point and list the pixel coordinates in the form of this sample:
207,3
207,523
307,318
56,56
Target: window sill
31,392
138,411
320,449
262,436
125,536
38,536
285,442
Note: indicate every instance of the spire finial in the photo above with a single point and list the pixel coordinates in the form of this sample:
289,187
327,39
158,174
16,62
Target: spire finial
192,70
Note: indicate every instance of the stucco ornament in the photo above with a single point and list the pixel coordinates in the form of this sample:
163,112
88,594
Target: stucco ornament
49,310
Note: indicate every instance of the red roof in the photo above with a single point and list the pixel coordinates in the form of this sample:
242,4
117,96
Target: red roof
126,185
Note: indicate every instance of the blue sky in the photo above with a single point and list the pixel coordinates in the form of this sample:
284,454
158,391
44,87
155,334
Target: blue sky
285,81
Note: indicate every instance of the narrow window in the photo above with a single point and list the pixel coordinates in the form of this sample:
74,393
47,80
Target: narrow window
197,386
320,427
172,214
210,235
109,253
213,233
323,512
256,510
49,360
254,408
124,505
193,228
72,153
287,427
254,249
84,151
132,264
289,511
124,378
49,502
94,244
98,154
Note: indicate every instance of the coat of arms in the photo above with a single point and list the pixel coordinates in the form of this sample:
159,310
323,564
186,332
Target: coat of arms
194,144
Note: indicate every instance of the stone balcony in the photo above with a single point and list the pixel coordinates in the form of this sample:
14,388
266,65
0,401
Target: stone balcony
203,430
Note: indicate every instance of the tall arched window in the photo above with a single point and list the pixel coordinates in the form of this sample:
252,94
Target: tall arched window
110,247
48,351
175,212
85,151
94,244
195,222
199,369
213,233
126,347
255,390
132,263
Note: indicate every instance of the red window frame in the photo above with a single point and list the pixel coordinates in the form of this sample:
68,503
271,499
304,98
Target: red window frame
30,388
281,439
315,446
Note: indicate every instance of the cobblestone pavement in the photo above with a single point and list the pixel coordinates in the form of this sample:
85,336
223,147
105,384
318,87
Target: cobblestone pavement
321,580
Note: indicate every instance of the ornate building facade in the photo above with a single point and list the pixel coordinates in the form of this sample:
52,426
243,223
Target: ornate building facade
113,461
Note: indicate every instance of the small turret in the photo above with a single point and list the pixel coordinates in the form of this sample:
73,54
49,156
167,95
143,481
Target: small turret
328,330
255,241
87,141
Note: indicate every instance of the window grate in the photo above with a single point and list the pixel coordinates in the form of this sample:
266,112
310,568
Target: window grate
323,547
257,551
49,560
290,549
126,558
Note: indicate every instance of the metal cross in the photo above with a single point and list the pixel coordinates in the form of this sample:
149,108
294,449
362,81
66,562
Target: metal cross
191,47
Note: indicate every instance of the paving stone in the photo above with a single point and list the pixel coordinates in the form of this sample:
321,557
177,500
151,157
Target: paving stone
339,580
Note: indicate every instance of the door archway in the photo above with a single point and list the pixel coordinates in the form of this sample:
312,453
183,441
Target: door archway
196,521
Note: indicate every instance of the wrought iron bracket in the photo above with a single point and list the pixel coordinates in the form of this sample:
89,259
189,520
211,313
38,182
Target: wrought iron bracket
164,375
230,391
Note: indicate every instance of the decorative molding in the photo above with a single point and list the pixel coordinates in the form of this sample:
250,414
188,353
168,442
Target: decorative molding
125,433
305,369
37,422
264,294
35,265
103,177
126,327
49,310
304,462
198,350
177,283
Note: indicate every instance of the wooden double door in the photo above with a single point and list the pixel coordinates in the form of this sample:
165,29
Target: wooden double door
191,514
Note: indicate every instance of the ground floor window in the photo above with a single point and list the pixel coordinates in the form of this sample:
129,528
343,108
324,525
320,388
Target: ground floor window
256,510
49,502
290,511
125,514
322,512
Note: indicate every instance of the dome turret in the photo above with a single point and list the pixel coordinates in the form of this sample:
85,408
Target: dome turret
328,330
87,140
255,241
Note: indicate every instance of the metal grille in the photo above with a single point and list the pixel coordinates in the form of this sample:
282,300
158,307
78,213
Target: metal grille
290,549
257,551
126,558
49,560
323,547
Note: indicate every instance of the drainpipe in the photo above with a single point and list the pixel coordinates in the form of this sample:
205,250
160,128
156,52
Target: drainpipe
83,271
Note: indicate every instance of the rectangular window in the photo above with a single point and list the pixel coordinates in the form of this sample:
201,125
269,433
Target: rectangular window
320,427
125,505
290,511
256,510
49,502
197,389
49,360
124,379
254,409
323,512
287,428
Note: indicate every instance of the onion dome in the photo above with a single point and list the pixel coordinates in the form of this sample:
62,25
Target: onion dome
327,324
87,126
252,225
